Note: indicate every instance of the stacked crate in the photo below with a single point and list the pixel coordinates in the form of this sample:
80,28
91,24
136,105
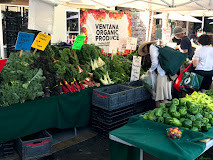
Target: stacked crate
6,149
112,107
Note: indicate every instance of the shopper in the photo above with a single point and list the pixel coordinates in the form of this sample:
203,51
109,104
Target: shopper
203,61
163,85
194,37
185,44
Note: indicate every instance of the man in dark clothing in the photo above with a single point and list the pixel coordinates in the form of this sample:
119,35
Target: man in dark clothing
185,43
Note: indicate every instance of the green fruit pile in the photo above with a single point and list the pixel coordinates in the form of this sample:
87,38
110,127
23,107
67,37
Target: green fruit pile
181,113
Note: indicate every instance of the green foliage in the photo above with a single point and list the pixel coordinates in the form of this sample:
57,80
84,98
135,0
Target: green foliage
18,81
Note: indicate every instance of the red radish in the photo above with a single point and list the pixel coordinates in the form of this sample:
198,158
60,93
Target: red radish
65,90
81,85
67,85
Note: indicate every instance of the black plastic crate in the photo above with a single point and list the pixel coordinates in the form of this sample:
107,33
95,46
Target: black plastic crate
104,130
141,93
144,106
6,149
111,113
35,146
105,118
113,97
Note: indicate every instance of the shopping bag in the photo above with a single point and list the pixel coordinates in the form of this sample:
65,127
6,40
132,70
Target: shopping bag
170,59
178,80
149,80
190,82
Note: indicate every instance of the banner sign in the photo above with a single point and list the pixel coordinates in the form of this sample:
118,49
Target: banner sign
167,33
78,42
131,43
136,67
24,41
41,41
101,26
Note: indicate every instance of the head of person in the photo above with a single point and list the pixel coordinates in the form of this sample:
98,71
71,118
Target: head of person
179,32
205,40
198,31
143,50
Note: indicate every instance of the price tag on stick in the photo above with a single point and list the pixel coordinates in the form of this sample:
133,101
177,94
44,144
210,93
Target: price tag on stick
136,67
24,42
78,43
41,42
131,43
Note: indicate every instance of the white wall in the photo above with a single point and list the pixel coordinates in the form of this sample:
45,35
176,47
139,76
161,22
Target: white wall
59,24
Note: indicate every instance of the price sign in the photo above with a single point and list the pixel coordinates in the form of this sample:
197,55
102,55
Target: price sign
113,46
136,67
41,41
24,41
78,43
131,43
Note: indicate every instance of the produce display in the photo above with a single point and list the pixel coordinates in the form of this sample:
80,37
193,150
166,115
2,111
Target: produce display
55,71
181,113
174,133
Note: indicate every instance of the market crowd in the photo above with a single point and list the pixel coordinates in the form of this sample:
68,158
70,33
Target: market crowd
200,55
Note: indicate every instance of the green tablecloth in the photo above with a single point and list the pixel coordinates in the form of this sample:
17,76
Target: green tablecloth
63,111
151,137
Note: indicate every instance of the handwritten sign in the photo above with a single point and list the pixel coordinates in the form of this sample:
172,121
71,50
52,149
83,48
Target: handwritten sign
24,41
131,43
167,33
113,46
2,63
122,44
78,43
136,67
41,41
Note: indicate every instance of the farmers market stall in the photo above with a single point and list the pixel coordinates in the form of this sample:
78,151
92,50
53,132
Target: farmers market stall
63,111
151,132
143,135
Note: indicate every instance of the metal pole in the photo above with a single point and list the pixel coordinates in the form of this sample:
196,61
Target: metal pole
147,27
150,27
1,36
187,28
202,22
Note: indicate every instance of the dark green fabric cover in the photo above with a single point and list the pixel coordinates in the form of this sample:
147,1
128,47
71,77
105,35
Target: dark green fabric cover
151,137
64,111
120,151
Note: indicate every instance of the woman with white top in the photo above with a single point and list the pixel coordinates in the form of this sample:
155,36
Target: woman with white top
162,85
203,61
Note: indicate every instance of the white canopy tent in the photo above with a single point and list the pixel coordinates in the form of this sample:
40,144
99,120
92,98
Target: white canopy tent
178,17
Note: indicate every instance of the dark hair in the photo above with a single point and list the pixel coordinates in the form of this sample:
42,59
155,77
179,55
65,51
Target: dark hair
198,28
205,40
148,46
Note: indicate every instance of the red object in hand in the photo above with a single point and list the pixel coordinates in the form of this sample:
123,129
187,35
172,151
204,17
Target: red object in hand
2,63
178,80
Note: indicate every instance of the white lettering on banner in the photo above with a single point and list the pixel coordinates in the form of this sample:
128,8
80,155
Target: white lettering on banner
131,43
136,67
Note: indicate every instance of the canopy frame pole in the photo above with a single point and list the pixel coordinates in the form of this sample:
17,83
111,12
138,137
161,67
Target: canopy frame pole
202,22
166,3
1,36
200,5
187,28
150,27
147,27
191,1
152,3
